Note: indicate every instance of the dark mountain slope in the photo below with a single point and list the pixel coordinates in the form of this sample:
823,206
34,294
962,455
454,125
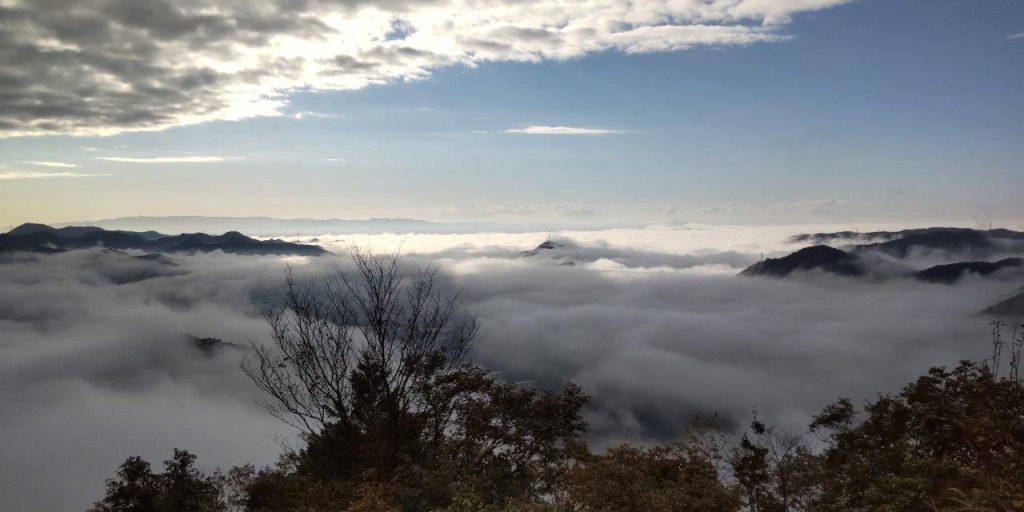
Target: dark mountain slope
233,242
41,238
836,261
951,273
1009,308
956,242
42,242
547,245
76,231
959,241
818,257
821,238
30,228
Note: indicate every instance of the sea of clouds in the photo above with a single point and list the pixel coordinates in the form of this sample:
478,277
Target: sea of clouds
96,362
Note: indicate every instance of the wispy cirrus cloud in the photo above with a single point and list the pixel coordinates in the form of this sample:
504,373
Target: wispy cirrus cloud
561,130
165,159
1016,36
32,175
41,163
155,64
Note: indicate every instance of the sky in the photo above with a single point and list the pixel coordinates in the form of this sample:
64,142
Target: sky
753,111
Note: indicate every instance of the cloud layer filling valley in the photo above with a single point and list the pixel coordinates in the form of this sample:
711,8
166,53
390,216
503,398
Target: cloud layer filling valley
95,362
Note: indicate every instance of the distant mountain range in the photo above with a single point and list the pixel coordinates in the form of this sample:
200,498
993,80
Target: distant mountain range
966,242
41,238
76,231
963,241
861,259
269,226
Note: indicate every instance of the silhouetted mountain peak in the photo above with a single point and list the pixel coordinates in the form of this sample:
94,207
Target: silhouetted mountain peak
29,228
547,245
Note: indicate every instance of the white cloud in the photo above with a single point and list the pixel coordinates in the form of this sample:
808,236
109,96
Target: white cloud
477,211
49,164
169,63
164,159
1017,36
306,114
31,175
561,130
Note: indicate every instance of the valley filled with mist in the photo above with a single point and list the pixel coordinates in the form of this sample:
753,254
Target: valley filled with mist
109,352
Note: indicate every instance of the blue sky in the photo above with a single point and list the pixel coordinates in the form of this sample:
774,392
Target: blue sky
864,111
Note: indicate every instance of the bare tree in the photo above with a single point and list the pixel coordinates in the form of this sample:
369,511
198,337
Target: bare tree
364,351
997,345
1016,349
776,469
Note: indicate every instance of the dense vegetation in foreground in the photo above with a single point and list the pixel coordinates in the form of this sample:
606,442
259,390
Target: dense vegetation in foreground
372,368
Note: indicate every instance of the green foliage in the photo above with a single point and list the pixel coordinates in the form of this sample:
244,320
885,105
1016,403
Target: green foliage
952,441
135,489
680,477
180,488
950,438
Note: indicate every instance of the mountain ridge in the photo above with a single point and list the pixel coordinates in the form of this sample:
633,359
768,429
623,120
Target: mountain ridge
42,238
898,245
816,257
